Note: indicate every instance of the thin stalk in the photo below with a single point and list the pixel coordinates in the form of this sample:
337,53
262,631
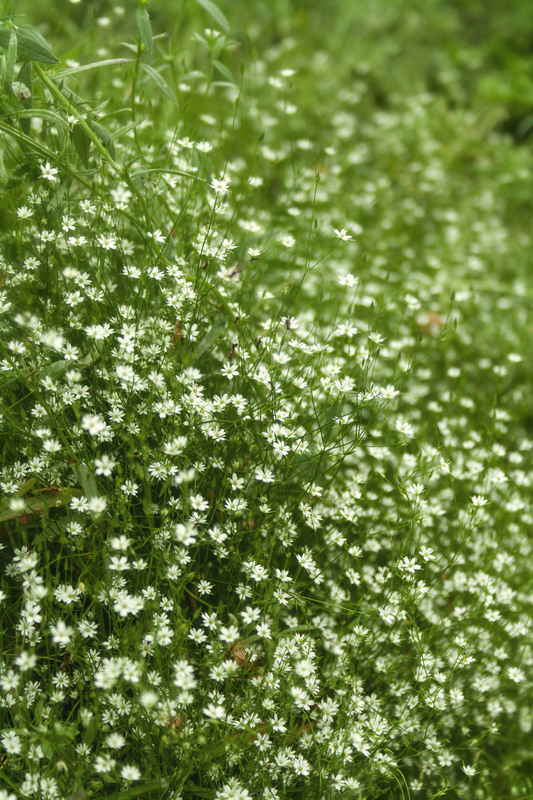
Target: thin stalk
60,97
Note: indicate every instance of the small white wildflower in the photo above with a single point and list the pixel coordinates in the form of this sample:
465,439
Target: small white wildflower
469,771
97,504
427,553
61,633
404,427
516,675
212,711
104,465
107,242
220,186
11,742
130,772
408,565
49,172
342,234
115,740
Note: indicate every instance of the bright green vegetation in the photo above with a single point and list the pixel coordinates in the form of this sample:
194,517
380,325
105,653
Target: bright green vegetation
265,400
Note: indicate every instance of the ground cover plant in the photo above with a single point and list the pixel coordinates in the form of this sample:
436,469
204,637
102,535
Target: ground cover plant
265,429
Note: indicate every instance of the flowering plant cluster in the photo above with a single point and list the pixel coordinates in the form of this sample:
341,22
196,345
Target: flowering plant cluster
264,461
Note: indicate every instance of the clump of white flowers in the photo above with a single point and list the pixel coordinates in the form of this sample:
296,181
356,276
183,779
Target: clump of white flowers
267,489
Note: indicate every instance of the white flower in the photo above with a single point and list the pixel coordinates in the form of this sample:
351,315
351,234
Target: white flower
478,500
11,742
93,424
49,172
264,474
104,465
115,740
97,505
104,764
130,772
408,565
427,553
184,675
220,186
516,674
404,428
212,711
229,370
25,661
342,234
61,633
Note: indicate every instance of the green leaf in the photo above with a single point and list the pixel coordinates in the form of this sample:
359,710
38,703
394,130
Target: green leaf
105,137
31,46
160,170
219,46
3,173
145,29
108,62
38,712
89,736
67,731
218,65
54,370
195,75
86,480
30,144
47,749
211,336
156,77
24,77
11,57
82,143
46,499
215,12
42,113
25,487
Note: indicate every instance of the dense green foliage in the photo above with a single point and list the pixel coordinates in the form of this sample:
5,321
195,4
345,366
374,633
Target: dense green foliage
265,420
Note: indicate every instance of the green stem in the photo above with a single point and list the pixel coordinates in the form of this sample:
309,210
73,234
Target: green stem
60,97
25,140
135,79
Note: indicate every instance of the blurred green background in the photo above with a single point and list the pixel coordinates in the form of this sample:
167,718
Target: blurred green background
474,52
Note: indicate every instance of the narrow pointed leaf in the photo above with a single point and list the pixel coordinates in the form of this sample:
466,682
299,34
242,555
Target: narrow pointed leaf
87,481
42,113
108,62
215,12
11,57
3,173
104,135
218,65
82,143
145,29
25,487
37,503
195,75
31,46
211,336
161,83
24,77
